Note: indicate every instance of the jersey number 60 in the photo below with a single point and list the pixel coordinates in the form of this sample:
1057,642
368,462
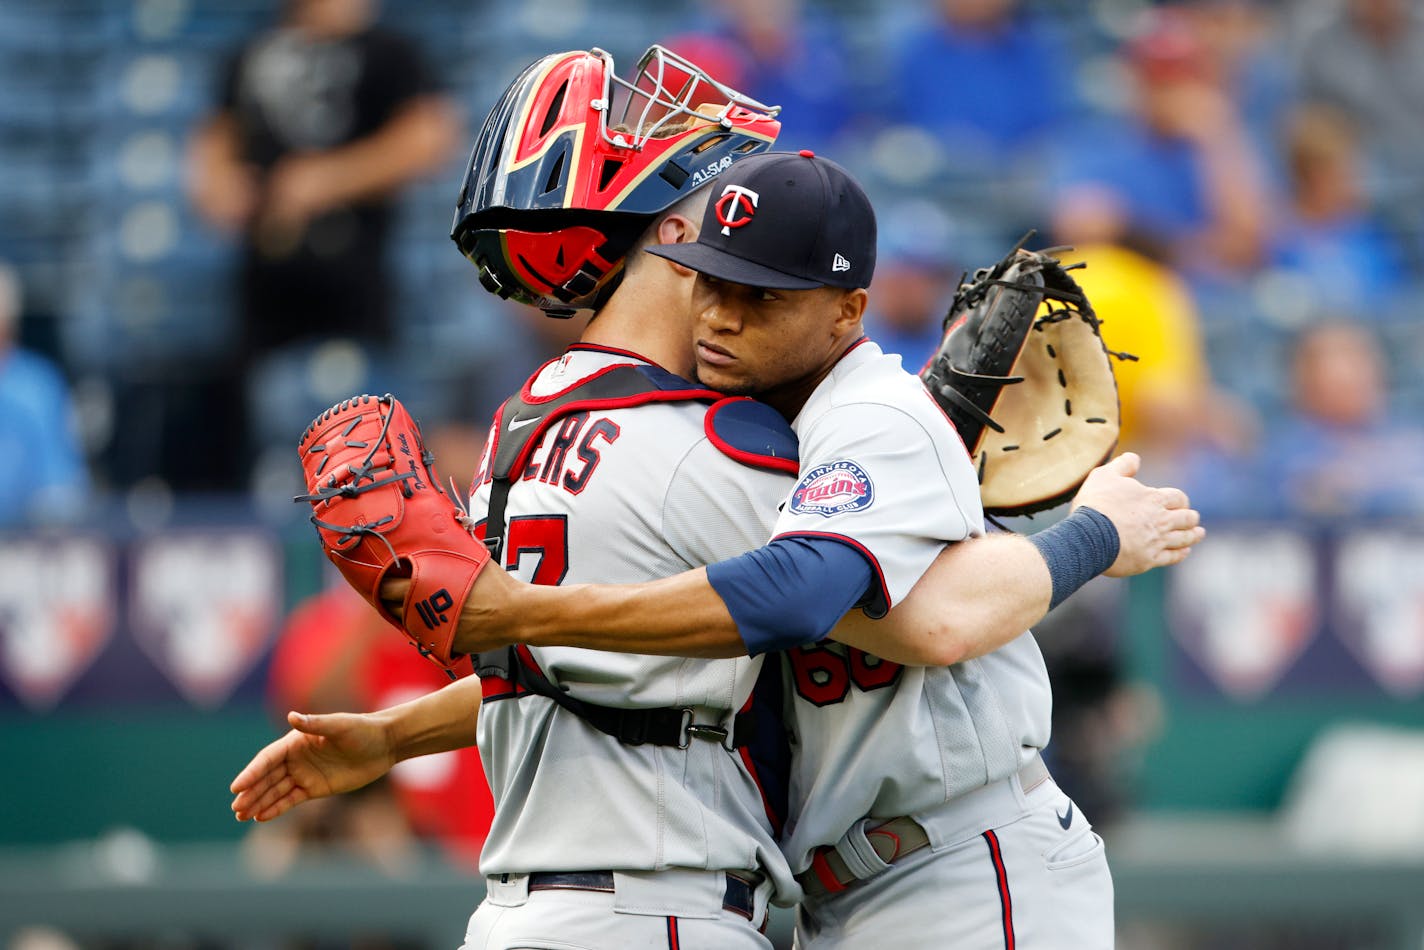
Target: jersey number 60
824,675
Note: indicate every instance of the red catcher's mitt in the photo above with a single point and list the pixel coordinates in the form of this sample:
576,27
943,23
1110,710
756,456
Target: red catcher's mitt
377,506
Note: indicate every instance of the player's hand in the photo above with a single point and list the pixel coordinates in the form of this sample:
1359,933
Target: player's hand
1157,527
321,756
490,618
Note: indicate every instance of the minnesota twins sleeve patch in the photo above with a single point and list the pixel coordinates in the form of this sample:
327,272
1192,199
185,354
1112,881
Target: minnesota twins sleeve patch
833,489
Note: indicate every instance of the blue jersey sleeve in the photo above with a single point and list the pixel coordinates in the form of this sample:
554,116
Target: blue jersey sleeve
792,591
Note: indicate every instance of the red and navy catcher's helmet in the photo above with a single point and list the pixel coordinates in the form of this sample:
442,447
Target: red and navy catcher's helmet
573,163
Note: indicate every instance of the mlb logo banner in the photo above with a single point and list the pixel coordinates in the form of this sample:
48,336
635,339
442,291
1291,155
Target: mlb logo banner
833,489
204,606
1245,607
1379,606
57,613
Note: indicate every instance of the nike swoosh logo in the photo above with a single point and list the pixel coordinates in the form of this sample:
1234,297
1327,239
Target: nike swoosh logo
523,422
1066,819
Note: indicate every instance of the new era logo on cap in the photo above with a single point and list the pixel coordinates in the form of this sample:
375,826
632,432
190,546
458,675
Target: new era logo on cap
787,221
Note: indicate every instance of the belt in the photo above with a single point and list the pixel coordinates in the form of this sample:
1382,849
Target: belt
738,897
892,840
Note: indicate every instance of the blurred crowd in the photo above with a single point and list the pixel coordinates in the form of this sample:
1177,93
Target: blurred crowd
220,219
1243,178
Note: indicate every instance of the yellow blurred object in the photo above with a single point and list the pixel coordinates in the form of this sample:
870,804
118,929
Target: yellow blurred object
1147,311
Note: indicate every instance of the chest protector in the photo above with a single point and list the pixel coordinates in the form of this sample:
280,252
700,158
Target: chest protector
745,430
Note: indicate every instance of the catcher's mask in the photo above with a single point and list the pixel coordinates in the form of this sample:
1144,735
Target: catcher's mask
573,163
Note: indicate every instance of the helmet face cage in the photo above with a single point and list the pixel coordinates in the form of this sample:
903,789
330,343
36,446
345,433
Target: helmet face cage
571,147
665,88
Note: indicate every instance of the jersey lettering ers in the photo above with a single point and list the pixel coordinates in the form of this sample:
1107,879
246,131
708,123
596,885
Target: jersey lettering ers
570,454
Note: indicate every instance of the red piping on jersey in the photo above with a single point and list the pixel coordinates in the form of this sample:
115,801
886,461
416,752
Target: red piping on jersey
746,755
952,427
771,815
526,393
854,346
623,402
613,351
754,459
824,874
1005,902
874,563
673,943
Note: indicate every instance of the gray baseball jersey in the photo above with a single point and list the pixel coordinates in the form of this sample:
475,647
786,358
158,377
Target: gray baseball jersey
618,496
884,470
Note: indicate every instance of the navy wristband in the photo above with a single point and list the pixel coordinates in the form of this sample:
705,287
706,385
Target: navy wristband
1076,550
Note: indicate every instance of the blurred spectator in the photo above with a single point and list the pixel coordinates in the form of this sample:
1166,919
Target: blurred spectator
1341,451
1180,170
1243,42
1328,241
1367,58
781,54
319,124
989,79
47,480
1189,433
915,275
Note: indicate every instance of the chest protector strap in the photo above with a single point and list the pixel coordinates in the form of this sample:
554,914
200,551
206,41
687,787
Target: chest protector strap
523,420
666,726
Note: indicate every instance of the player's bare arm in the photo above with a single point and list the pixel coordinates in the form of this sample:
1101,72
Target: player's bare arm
327,755
979,595
982,593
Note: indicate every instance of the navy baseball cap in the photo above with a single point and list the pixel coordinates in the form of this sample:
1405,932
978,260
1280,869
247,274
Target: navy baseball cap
784,221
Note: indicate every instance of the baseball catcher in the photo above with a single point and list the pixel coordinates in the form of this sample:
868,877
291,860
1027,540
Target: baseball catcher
1024,375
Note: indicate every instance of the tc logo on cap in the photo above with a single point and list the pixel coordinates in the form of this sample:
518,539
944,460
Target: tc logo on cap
736,207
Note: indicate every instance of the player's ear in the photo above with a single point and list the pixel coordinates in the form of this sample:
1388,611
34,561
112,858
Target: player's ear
677,229
852,309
